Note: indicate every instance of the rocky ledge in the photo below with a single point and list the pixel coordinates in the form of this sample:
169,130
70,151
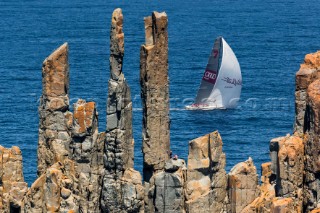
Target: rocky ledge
82,170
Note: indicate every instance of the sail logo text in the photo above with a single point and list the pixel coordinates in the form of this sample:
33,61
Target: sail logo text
233,81
215,53
210,76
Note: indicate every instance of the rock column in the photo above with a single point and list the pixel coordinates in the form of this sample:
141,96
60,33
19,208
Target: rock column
155,94
86,149
122,185
55,119
206,186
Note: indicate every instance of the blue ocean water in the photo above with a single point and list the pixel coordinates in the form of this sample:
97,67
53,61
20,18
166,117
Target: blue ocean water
270,39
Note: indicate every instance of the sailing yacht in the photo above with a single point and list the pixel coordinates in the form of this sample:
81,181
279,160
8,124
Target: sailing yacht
221,83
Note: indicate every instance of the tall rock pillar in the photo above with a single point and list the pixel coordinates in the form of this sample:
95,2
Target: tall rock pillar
122,186
154,82
55,119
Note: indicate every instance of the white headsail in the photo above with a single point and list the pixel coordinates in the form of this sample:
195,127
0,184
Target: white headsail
222,81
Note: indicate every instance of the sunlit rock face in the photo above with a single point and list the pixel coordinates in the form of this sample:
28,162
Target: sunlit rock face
309,71
154,83
122,189
82,170
55,119
243,180
206,186
12,185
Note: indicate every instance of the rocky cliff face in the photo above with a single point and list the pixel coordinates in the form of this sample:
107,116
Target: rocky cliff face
82,170
308,72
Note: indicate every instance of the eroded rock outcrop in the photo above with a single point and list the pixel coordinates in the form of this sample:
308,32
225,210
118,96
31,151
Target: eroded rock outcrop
311,191
206,186
166,189
86,150
54,191
12,185
283,205
82,170
242,186
55,122
291,167
309,71
122,186
154,83
262,204
67,136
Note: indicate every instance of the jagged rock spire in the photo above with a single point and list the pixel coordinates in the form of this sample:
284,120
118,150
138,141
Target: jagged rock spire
122,186
154,82
116,44
55,119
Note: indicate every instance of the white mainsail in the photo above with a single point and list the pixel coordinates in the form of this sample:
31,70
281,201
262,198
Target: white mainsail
221,84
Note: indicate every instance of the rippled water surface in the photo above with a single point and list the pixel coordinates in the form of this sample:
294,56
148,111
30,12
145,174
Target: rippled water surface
270,39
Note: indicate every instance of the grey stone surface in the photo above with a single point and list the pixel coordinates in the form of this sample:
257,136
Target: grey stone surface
173,165
122,189
86,149
166,191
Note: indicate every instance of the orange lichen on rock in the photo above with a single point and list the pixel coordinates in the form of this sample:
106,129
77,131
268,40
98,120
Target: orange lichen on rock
282,205
84,114
55,71
12,185
267,192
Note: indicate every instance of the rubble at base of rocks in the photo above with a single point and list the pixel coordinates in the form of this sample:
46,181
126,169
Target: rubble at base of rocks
83,170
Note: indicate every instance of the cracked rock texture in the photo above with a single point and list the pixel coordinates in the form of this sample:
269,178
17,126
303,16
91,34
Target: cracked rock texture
291,167
86,149
82,170
12,185
154,83
55,123
263,202
166,190
242,186
206,186
57,190
122,189
312,148
309,71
